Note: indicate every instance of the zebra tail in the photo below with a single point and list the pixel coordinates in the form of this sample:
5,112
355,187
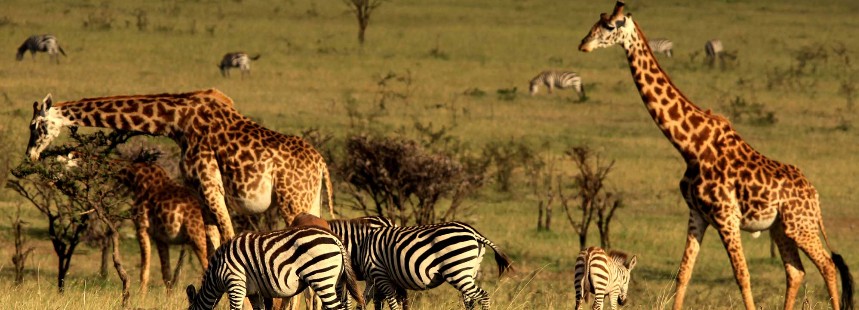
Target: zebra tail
583,91
503,261
255,57
61,50
349,278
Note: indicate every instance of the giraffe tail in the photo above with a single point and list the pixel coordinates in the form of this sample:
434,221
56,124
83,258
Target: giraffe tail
843,270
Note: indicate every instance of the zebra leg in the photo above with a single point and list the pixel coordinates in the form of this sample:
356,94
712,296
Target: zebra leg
237,293
612,300
599,299
387,289
403,298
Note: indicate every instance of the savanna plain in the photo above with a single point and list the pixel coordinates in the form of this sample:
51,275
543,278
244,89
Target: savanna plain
464,66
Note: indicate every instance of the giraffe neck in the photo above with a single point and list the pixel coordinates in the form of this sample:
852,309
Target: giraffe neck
169,115
681,121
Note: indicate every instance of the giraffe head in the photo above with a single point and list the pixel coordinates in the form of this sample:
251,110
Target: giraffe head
43,128
609,30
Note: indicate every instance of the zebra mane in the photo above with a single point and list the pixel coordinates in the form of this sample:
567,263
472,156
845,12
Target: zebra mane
619,257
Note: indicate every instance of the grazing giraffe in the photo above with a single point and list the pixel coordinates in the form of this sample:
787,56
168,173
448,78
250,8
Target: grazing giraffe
168,212
727,183
228,158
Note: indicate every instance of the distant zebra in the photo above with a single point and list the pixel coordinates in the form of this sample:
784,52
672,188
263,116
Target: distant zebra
395,259
664,46
353,232
605,275
41,43
278,264
236,60
557,79
713,50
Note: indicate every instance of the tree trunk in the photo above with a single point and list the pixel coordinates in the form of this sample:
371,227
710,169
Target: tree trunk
540,216
105,256
117,263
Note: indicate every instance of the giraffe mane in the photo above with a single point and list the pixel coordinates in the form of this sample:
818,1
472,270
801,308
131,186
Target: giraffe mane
220,97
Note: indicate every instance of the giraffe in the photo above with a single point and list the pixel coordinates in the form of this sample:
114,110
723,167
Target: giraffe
230,160
727,183
168,212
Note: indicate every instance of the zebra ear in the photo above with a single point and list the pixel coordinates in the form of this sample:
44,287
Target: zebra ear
632,262
191,292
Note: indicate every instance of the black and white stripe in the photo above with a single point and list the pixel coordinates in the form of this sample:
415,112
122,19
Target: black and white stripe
236,60
713,50
277,264
41,43
663,46
604,275
396,259
353,232
557,79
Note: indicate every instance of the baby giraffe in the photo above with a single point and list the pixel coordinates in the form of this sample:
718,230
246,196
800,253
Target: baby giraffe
167,211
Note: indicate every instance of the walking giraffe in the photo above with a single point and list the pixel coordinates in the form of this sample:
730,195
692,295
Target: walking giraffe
169,213
228,158
727,183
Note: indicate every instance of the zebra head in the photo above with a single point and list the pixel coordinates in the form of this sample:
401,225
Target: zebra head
622,297
609,30
43,129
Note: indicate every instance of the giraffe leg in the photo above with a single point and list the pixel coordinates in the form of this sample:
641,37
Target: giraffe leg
164,256
145,257
694,236
730,234
792,264
200,246
809,242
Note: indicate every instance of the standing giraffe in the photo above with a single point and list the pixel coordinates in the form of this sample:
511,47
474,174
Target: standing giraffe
727,183
169,212
228,158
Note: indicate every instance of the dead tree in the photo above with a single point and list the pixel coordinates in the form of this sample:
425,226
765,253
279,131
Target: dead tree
362,9
22,251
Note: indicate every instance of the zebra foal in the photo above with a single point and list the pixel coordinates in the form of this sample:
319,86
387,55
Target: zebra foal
603,275
236,60
277,264
41,43
557,79
396,259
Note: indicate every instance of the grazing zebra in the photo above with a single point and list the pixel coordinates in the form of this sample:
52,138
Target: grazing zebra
41,43
713,50
353,232
278,264
236,60
559,79
664,46
395,259
603,275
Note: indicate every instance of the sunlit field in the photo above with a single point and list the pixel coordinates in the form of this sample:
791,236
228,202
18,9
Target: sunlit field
795,62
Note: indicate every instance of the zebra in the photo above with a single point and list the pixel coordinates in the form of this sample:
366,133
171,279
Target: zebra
353,232
236,60
41,43
277,264
664,46
713,49
603,275
559,79
396,259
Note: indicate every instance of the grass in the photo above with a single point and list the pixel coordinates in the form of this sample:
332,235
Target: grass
312,71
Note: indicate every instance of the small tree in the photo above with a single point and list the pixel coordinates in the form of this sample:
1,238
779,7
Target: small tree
22,251
592,197
87,186
404,181
362,9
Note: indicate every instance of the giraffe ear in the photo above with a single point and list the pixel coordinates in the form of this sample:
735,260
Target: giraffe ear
48,101
37,109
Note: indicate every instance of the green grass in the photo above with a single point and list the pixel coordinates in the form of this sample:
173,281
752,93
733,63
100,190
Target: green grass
312,67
